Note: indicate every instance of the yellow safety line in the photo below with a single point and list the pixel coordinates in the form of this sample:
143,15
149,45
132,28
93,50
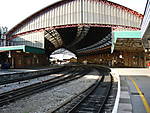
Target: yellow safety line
146,105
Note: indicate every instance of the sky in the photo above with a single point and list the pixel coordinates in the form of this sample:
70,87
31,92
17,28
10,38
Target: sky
14,11
62,54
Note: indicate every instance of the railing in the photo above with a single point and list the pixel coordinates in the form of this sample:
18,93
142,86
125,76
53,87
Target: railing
5,43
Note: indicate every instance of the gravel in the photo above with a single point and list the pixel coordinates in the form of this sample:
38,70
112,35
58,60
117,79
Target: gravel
46,101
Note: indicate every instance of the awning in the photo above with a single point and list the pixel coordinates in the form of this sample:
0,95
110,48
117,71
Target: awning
125,35
23,48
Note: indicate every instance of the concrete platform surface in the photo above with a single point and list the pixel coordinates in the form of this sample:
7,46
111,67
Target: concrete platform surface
13,75
11,71
132,71
143,83
135,90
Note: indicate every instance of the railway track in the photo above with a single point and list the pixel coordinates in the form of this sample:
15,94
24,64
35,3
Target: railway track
10,96
66,73
90,101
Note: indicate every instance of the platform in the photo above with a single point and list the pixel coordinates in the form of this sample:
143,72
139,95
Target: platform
13,75
12,71
135,90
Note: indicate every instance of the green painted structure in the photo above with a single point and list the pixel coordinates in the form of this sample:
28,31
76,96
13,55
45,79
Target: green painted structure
23,48
124,35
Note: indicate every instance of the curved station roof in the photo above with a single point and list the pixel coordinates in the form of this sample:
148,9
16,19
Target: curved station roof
81,26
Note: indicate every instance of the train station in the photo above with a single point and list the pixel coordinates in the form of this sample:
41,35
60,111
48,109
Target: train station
110,69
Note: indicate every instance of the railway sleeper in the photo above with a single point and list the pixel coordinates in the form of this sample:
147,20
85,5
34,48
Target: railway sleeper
91,106
84,112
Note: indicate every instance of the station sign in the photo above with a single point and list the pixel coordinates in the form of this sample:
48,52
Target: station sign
3,31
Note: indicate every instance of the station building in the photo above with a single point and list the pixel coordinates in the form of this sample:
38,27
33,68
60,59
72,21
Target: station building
23,56
20,56
126,51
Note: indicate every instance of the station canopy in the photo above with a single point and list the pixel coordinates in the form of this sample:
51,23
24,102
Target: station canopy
22,48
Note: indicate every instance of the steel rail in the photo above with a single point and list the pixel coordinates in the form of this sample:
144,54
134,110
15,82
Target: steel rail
79,95
107,95
40,87
92,102
3,95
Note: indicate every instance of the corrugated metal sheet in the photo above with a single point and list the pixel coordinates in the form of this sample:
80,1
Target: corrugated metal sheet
79,12
33,39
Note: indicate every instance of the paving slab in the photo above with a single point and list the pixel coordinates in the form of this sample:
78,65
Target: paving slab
130,99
